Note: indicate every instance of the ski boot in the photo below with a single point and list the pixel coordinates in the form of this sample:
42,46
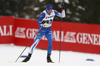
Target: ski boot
27,58
49,59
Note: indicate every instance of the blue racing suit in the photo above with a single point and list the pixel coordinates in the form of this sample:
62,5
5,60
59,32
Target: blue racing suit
45,29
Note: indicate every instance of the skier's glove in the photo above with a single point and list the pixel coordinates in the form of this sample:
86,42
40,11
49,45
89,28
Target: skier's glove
47,21
43,21
62,5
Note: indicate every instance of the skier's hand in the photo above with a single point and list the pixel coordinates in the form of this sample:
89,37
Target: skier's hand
43,21
47,21
62,5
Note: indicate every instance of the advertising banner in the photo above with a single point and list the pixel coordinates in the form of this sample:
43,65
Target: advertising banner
74,36
24,31
6,29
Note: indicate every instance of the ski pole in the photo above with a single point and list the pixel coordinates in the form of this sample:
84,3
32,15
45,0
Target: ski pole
60,34
27,45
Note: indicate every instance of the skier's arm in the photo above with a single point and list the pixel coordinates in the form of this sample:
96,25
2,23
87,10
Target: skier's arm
41,18
62,14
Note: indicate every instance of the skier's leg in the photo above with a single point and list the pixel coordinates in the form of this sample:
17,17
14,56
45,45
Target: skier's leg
49,50
49,36
36,41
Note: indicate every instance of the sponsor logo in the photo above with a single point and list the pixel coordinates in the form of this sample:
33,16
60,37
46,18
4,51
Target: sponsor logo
50,16
38,33
50,7
80,38
6,30
68,36
22,32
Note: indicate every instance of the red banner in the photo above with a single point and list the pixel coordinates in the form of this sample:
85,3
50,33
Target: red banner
24,31
74,36
6,29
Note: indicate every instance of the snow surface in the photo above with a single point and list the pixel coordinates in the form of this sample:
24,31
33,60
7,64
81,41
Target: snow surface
9,53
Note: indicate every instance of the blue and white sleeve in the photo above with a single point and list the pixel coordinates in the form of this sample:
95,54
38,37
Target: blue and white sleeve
62,14
41,18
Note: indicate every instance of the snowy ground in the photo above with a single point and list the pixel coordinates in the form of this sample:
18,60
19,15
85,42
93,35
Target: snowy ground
9,53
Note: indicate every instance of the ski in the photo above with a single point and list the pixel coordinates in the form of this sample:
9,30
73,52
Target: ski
13,62
50,62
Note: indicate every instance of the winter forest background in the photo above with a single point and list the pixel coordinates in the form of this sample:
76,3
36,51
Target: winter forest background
80,11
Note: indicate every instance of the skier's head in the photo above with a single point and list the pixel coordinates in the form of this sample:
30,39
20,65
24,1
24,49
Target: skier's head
49,7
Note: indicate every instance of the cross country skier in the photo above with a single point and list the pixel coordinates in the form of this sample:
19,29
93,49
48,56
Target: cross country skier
45,21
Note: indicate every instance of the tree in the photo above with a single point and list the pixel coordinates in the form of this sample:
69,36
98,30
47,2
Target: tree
82,11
